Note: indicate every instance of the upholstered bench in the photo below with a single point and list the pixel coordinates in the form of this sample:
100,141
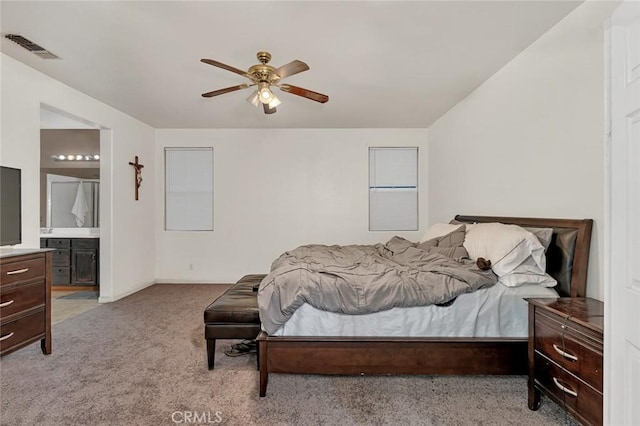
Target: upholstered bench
233,315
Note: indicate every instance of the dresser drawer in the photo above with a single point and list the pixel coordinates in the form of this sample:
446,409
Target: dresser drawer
22,271
578,397
572,347
21,330
19,298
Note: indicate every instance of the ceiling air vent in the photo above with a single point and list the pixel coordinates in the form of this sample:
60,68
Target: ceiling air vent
31,46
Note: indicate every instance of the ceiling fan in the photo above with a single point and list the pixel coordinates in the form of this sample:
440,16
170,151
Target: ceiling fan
264,76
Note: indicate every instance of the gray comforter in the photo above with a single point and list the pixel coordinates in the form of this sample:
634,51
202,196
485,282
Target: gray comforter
361,279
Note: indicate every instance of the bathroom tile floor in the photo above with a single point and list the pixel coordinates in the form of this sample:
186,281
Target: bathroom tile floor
62,309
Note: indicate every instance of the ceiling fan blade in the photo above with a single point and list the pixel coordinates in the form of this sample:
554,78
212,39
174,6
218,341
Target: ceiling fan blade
293,67
305,93
268,110
224,66
225,90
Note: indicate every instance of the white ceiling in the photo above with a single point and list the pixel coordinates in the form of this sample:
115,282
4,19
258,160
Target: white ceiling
384,64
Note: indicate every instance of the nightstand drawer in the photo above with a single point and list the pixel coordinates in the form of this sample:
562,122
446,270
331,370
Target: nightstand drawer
20,298
581,399
22,271
572,347
22,330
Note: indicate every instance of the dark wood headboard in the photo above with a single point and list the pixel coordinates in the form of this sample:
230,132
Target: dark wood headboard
568,253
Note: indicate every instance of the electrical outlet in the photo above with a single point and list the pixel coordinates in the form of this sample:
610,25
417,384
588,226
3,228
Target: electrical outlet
191,266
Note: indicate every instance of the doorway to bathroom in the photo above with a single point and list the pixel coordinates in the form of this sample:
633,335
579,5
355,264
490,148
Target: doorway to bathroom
69,210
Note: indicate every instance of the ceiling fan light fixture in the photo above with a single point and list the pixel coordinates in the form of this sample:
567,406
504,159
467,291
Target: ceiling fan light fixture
264,92
274,101
264,76
254,99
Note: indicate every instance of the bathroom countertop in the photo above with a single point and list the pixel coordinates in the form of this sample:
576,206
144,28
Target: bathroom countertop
72,233
62,235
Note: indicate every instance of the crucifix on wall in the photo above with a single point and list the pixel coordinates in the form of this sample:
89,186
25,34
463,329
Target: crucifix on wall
138,174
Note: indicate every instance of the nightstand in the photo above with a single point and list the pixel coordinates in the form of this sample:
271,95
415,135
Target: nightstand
565,355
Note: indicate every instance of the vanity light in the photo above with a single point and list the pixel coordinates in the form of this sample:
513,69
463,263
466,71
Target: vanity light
76,157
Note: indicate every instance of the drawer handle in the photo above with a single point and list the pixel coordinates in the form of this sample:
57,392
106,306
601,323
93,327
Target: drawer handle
565,389
5,304
565,354
18,271
6,337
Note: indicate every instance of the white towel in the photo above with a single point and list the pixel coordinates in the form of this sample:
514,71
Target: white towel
80,207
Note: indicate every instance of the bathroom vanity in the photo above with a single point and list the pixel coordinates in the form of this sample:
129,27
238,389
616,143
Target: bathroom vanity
75,259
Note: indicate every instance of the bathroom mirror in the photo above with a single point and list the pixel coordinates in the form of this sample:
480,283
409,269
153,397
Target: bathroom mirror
60,178
72,202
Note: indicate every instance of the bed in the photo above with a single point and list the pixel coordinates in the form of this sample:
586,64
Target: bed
567,259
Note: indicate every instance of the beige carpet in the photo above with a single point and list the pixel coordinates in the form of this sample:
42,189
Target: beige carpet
142,361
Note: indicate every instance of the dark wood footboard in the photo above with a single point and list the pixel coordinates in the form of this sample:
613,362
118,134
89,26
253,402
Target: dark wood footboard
390,355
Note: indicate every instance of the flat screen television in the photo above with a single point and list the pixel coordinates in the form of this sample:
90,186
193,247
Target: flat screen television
10,206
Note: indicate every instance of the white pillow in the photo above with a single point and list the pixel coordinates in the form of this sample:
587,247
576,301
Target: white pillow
438,230
507,246
527,272
544,235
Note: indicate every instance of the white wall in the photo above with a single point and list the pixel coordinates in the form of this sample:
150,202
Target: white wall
127,232
540,118
529,141
275,190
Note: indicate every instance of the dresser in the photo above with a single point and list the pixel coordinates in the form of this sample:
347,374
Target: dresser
565,355
75,260
25,299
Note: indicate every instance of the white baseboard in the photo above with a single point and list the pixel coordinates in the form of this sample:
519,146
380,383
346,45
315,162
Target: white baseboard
107,299
182,281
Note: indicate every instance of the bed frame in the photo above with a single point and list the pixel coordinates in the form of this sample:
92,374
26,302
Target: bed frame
567,262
